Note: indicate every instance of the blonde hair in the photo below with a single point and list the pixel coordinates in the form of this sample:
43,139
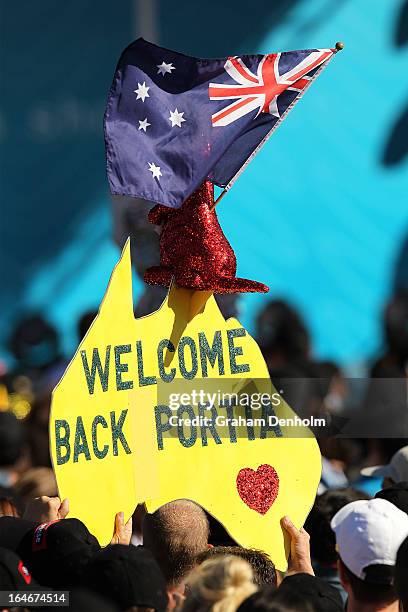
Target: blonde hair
219,585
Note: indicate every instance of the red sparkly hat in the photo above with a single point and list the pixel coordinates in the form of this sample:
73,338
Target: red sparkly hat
194,249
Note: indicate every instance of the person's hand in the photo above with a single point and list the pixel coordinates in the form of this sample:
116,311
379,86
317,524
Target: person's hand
299,561
122,533
175,600
46,509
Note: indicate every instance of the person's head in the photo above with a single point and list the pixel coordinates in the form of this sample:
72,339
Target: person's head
371,590
401,573
11,439
322,538
220,584
176,534
397,494
57,552
36,482
297,593
368,535
322,596
269,599
261,564
394,471
35,342
14,575
129,576
281,333
14,530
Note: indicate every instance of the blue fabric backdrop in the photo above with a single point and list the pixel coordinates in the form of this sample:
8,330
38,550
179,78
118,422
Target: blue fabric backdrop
320,215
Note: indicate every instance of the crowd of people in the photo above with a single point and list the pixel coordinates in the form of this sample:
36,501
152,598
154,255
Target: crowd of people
355,558
351,554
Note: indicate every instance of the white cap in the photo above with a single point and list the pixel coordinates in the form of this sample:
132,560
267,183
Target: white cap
397,468
369,533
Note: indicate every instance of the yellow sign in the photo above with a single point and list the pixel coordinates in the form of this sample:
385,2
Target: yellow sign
178,404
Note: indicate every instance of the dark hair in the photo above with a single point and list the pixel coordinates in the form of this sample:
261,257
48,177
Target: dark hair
261,564
11,439
322,538
367,591
280,329
397,494
270,599
35,342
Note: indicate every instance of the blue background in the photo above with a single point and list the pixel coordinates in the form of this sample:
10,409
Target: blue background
321,213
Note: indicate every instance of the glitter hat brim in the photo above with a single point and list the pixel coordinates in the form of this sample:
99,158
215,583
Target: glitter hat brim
159,275
237,285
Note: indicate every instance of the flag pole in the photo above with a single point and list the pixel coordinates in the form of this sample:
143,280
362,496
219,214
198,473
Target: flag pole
339,46
222,194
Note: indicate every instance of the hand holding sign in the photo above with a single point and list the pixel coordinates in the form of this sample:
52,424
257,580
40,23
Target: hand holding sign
45,509
123,531
299,556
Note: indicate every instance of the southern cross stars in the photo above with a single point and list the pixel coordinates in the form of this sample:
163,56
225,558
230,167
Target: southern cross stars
155,170
176,118
144,124
141,91
163,68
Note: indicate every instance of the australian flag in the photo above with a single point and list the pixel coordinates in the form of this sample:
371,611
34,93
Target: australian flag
173,121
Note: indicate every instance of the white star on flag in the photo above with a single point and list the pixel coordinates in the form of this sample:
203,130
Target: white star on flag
155,170
163,68
176,118
141,91
144,124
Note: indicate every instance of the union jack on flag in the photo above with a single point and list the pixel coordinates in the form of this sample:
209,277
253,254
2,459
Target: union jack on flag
173,121
260,91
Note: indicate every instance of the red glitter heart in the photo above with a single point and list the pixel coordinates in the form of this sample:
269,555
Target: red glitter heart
258,489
